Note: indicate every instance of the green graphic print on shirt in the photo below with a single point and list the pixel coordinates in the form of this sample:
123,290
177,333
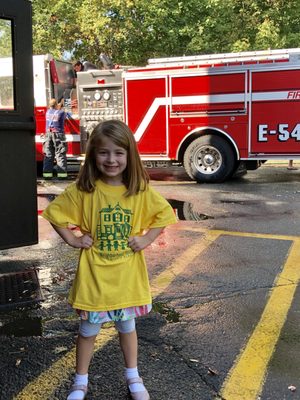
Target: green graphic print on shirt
113,230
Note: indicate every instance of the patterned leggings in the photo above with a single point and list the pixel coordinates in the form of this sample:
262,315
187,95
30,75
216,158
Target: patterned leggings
87,329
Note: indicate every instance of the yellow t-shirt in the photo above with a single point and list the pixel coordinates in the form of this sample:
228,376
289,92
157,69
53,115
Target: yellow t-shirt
110,275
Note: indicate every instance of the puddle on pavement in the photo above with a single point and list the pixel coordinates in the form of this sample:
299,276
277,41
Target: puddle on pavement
239,202
185,211
167,311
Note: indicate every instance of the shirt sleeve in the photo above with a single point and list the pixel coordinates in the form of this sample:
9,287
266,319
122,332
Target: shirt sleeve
66,209
157,211
62,117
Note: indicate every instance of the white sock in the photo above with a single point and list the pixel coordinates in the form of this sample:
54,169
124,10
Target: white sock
133,373
78,380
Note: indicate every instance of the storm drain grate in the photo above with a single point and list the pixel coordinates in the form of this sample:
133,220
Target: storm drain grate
19,289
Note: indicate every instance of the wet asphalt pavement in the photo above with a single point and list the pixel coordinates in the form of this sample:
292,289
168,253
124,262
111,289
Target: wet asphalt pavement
200,321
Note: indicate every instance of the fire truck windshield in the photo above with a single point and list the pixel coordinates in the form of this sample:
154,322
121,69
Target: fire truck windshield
63,80
65,72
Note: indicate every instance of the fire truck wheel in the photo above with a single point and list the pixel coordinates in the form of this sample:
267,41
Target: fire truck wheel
209,159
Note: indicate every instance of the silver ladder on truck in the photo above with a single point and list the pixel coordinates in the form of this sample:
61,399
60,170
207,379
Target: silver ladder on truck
289,55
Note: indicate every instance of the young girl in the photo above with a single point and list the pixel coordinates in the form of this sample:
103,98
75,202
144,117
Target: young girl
119,215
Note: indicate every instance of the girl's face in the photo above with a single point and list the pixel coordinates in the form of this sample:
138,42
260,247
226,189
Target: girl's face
111,161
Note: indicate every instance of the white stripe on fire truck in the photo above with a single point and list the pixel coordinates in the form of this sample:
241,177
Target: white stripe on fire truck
205,99
159,101
232,98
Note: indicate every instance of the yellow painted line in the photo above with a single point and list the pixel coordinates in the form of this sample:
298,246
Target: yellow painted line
164,279
258,235
246,377
241,234
48,381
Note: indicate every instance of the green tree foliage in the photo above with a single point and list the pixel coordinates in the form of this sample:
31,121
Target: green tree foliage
5,38
55,27
131,31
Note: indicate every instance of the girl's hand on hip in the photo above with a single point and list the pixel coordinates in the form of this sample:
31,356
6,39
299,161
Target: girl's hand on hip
138,243
79,242
83,242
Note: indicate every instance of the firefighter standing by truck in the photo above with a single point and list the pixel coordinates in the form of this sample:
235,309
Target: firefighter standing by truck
55,145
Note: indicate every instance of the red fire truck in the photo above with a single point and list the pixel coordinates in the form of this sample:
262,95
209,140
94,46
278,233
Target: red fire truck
210,113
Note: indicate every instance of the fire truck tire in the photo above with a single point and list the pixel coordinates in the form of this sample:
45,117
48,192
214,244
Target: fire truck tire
209,159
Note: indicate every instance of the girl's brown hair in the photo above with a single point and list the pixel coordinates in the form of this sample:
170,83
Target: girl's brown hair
135,177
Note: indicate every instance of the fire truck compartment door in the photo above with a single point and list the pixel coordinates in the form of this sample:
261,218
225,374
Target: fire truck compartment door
147,114
209,94
274,126
18,198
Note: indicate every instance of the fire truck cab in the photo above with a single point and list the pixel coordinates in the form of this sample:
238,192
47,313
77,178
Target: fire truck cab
208,113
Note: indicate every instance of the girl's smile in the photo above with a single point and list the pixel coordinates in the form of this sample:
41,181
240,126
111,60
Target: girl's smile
111,161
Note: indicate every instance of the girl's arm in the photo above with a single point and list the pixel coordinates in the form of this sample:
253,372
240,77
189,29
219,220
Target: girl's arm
80,242
138,243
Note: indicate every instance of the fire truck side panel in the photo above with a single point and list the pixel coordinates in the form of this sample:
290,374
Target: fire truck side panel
211,93
40,115
146,114
183,132
72,135
275,112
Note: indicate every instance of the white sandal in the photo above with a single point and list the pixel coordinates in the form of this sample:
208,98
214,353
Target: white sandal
141,395
83,388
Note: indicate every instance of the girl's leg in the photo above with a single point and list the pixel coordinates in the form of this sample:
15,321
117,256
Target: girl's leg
129,347
84,352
